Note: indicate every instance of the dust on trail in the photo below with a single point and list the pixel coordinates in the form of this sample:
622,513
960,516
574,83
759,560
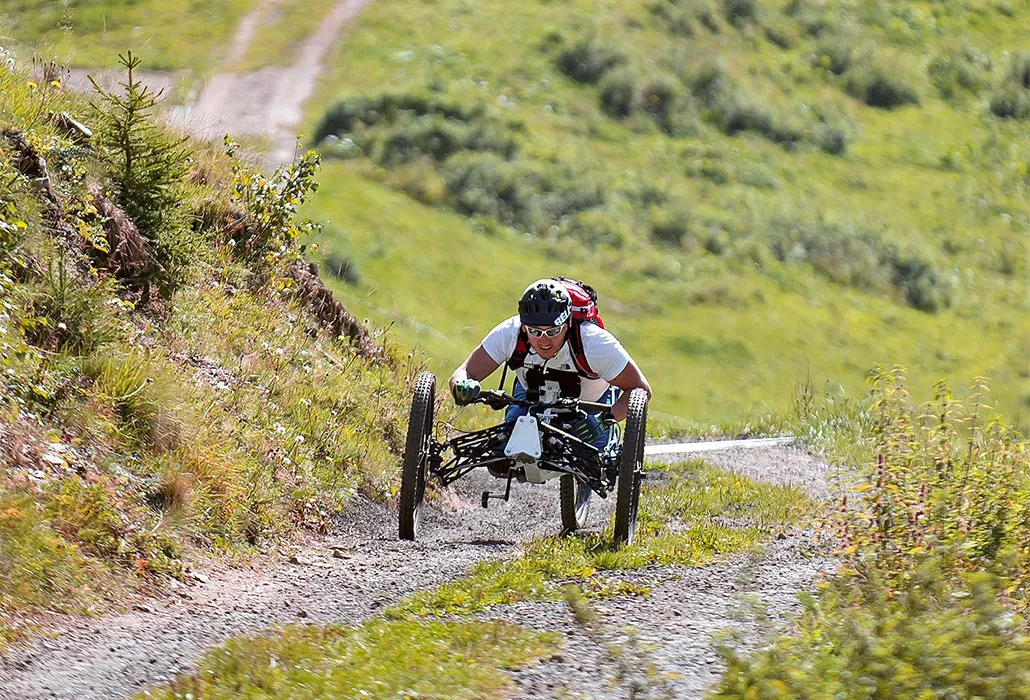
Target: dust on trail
267,102
362,567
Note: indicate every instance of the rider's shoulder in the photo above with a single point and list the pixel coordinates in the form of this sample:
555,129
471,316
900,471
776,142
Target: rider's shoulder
592,331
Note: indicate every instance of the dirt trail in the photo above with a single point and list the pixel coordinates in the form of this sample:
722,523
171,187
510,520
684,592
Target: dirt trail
267,102
362,567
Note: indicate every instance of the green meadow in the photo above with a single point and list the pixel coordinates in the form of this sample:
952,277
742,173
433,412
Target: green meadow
763,193
169,34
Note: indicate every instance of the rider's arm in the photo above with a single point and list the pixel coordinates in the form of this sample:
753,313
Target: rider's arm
628,379
478,366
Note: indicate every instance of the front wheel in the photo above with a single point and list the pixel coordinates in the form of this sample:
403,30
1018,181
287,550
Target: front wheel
631,469
417,451
575,503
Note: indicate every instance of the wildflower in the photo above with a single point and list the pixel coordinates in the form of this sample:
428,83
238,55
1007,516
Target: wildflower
32,84
55,84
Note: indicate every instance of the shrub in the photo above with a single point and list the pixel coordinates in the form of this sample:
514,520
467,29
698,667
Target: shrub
670,227
669,106
861,258
398,129
835,53
967,69
675,17
619,91
1012,98
533,196
350,115
270,229
740,11
880,84
1011,103
588,60
342,267
148,168
735,112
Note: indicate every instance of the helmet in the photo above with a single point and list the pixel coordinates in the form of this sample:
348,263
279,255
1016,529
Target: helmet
545,303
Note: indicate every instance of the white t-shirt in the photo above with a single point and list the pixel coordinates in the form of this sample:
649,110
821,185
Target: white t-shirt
603,351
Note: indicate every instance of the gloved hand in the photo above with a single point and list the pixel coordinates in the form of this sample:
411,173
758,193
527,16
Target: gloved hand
588,429
466,391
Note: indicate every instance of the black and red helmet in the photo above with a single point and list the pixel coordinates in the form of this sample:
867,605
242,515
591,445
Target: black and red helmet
545,303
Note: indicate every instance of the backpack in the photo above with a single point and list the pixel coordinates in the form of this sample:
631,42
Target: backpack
584,310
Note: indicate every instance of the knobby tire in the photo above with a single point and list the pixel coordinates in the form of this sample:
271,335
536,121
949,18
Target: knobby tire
631,469
416,456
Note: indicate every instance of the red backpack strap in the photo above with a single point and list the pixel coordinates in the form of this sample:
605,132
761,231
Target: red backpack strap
578,354
518,357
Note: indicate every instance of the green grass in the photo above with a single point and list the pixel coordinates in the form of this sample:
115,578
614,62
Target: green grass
690,514
168,34
379,659
723,326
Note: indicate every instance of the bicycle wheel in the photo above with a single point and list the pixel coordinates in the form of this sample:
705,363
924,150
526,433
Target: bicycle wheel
631,469
416,456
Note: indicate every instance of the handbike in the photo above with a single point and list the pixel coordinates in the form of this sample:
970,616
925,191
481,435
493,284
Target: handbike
535,448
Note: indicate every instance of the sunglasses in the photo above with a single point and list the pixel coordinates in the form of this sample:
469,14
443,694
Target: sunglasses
550,332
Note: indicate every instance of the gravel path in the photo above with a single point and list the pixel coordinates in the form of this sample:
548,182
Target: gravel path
267,102
344,578
658,646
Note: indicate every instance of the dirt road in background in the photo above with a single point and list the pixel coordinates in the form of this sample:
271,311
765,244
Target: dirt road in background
268,102
659,646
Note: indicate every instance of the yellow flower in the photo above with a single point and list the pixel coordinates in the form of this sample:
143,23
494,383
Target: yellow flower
56,84
32,84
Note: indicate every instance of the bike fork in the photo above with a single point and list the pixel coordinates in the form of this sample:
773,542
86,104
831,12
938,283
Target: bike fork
507,491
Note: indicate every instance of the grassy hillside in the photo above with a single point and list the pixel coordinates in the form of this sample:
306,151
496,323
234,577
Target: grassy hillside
174,383
762,191
89,33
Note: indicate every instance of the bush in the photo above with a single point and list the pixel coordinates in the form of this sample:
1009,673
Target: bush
342,267
270,229
398,129
930,641
532,196
670,227
588,61
1011,103
1012,98
619,91
880,84
675,17
835,53
669,106
861,258
967,69
739,12
350,115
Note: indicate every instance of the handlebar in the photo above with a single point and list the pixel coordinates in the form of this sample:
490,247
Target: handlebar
497,400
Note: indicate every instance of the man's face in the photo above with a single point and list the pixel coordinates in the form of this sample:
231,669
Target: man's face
546,346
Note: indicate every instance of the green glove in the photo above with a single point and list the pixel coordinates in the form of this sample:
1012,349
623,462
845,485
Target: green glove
588,429
466,391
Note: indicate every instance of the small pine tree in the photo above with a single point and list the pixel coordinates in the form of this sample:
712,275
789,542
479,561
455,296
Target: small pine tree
148,168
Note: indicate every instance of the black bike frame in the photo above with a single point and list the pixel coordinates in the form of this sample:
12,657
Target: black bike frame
562,452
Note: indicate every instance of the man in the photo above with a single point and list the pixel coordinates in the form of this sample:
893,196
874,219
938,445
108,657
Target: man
548,359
